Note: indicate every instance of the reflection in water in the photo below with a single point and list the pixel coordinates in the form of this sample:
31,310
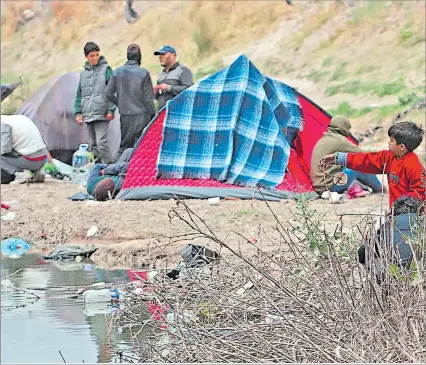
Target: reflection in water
35,331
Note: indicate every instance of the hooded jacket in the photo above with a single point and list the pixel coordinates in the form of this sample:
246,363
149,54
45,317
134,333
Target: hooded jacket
91,101
334,140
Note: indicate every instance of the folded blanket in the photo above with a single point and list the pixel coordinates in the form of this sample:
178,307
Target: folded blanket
229,127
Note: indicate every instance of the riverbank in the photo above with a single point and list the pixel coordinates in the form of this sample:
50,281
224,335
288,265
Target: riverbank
141,234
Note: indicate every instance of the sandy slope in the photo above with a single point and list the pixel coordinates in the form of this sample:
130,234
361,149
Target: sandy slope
137,233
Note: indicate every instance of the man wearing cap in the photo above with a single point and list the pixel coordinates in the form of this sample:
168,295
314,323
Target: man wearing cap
174,78
130,88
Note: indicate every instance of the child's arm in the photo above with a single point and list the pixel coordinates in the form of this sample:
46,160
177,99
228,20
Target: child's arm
369,163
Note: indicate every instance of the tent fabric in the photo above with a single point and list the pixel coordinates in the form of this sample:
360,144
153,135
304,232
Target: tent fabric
7,89
229,127
142,180
51,108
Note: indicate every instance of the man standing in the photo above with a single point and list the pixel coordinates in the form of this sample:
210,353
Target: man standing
91,106
174,78
130,88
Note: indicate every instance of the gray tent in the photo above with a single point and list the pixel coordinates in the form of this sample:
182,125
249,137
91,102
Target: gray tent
52,110
7,89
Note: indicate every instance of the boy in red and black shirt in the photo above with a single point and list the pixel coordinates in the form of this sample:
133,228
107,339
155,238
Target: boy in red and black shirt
401,165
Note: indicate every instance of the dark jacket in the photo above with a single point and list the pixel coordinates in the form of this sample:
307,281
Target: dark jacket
178,78
334,140
130,88
90,99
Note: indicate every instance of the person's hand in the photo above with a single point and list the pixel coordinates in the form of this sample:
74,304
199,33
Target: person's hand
327,161
110,116
79,119
162,87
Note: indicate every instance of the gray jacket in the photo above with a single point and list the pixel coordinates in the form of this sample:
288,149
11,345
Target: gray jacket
178,78
93,82
130,88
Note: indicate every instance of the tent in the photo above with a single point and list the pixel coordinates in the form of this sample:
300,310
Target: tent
235,99
52,110
7,89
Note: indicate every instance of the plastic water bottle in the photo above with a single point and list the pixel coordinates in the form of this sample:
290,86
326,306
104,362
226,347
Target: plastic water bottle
80,160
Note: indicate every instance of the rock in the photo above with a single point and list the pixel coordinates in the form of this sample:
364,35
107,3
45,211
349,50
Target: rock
55,210
92,231
28,14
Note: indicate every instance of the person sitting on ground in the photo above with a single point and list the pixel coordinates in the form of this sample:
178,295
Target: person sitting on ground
105,180
337,178
401,165
392,235
23,151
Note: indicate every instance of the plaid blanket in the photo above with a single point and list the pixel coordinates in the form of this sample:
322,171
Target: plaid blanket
229,127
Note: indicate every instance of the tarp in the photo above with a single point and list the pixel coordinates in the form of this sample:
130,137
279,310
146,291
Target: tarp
51,108
230,127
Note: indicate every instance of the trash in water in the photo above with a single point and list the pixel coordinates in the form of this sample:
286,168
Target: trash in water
65,252
14,247
92,231
101,295
8,217
93,309
194,256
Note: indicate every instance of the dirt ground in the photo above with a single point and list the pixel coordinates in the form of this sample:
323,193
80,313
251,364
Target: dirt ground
138,234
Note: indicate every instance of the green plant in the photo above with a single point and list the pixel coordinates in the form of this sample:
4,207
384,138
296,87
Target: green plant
408,99
346,109
209,70
340,73
316,75
404,35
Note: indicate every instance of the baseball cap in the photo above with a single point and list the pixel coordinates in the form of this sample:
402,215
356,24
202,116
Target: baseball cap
164,50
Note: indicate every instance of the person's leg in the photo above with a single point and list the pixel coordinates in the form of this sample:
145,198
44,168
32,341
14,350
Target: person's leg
14,164
91,132
101,128
369,180
6,178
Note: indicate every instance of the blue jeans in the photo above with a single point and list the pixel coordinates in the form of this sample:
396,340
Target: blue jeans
367,179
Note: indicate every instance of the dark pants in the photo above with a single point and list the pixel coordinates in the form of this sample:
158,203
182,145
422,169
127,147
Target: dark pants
14,162
132,127
98,139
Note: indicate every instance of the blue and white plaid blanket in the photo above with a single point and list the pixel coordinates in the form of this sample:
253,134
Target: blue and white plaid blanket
229,127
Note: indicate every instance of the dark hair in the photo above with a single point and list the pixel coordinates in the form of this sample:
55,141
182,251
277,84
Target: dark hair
134,56
407,133
91,47
104,189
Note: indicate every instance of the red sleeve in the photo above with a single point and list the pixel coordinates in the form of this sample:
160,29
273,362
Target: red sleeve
369,163
417,184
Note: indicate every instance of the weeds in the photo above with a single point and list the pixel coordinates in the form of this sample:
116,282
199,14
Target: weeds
279,305
358,87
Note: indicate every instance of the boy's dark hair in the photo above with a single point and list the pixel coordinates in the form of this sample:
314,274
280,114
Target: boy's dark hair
407,133
91,47
134,53
104,189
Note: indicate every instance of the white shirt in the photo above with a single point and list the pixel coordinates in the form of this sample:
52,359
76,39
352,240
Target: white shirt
26,137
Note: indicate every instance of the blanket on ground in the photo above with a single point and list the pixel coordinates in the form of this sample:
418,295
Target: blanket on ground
230,127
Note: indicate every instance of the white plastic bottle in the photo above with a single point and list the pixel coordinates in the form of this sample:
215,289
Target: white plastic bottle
80,167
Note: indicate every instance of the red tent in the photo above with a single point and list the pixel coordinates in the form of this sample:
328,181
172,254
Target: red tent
141,182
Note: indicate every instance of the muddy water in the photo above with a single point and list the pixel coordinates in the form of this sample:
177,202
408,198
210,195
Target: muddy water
35,330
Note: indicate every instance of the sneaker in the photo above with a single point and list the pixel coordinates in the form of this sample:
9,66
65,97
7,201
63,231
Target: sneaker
22,177
38,177
356,192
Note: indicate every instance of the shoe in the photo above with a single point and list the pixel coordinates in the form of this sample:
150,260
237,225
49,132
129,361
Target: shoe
38,177
355,191
22,177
